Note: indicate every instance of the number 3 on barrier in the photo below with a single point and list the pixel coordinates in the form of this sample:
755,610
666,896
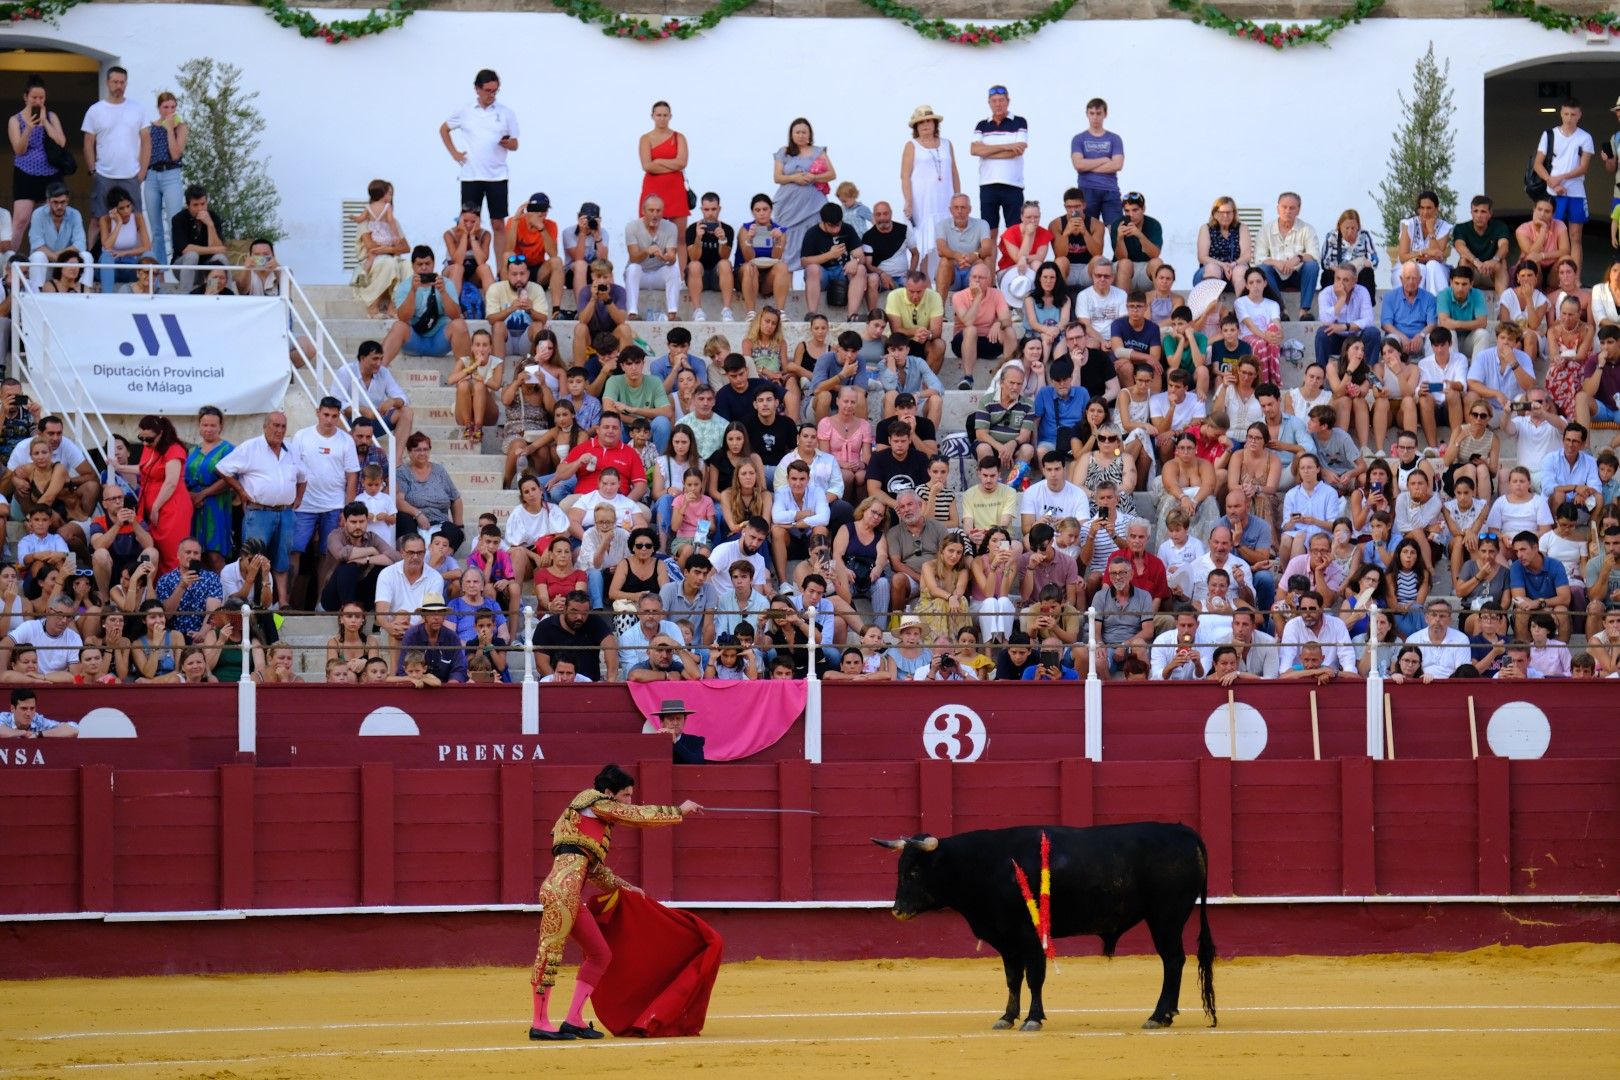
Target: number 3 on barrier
954,733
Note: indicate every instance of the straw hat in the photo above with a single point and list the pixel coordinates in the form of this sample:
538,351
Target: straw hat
924,112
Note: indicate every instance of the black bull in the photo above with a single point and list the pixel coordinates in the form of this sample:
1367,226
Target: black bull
1105,880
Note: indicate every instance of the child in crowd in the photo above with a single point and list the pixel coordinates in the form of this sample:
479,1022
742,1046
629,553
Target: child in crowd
641,442
40,549
481,669
587,406
1187,349
484,646
856,214
416,672
1548,655
379,504
499,577
1067,537
338,671
730,662
1378,549
440,559
376,670
1607,465
692,516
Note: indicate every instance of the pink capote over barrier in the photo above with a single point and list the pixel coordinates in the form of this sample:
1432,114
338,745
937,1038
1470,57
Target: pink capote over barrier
735,719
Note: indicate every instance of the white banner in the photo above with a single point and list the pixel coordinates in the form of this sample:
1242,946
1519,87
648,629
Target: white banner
164,354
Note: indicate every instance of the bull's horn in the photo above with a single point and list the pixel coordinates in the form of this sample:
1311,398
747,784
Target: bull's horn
892,845
926,843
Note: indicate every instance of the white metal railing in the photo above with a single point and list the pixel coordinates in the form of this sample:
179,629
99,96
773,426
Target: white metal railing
306,337
325,362
32,336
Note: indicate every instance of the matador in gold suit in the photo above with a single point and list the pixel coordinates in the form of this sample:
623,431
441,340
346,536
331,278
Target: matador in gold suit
579,846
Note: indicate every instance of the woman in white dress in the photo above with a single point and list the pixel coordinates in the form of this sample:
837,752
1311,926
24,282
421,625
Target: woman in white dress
1426,240
928,179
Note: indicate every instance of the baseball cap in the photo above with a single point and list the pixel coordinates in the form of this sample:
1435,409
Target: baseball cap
539,201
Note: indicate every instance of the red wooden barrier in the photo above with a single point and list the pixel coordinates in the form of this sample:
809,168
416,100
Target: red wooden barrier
242,836
312,724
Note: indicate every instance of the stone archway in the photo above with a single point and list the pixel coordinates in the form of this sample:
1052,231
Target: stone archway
72,75
1521,102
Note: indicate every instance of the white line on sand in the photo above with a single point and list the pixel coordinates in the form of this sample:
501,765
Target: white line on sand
875,1014
701,1043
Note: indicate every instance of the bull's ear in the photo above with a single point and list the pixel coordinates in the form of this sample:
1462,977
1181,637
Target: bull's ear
892,845
925,842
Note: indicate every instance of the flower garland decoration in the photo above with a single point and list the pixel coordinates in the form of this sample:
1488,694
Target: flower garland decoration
973,35
1602,22
32,10
1040,913
335,33
1276,35
376,20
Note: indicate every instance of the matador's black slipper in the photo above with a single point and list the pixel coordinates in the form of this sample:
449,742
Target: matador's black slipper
587,1032
560,1035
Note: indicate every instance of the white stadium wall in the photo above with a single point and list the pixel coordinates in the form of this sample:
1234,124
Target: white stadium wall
1211,115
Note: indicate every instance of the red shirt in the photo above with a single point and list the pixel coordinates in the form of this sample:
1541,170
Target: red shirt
1150,576
1014,237
621,457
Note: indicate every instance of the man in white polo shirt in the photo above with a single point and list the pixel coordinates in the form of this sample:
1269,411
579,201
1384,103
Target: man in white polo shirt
331,477
402,587
489,131
268,476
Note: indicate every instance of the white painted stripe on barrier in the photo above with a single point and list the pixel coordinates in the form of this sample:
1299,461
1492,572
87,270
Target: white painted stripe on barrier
866,1015
703,1044
737,905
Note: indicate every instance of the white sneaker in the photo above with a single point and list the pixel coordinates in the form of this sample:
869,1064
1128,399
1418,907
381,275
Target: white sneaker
726,315
698,315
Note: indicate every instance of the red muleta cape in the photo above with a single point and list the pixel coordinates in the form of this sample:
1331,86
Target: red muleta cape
663,968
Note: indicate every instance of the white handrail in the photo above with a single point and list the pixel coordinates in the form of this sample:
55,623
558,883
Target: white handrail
327,361
83,417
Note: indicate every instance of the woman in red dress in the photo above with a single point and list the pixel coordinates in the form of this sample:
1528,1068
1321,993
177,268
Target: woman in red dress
165,503
663,157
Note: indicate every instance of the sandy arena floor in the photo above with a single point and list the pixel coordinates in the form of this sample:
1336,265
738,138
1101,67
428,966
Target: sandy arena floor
1497,1012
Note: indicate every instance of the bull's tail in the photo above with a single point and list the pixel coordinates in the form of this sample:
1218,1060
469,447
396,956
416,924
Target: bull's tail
1206,941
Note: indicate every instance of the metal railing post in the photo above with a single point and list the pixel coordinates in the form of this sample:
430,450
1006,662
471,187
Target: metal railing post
1375,689
530,706
247,692
1093,690
812,699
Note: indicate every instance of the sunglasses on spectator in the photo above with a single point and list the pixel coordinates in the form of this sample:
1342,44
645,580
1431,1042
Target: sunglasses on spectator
1135,197
1108,438
510,259
642,545
1489,536
1480,415
1002,90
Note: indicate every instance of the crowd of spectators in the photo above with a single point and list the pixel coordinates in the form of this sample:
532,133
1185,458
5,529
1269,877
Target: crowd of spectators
706,512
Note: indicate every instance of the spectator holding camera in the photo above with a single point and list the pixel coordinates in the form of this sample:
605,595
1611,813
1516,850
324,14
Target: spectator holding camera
428,318
119,541
517,308
188,591
603,313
